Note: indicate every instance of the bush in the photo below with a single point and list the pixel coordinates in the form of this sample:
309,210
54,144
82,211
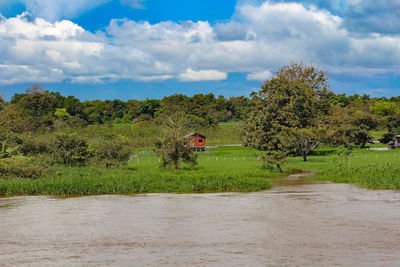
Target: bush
33,145
22,167
112,151
273,158
71,149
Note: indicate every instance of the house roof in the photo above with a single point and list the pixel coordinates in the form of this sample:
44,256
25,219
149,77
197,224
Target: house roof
194,134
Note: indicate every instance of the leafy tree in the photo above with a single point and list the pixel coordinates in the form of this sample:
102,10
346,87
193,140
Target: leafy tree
172,146
62,114
12,122
304,140
58,100
73,105
150,106
71,149
113,150
348,126
384,108
393,126
340,100
37,102
297,97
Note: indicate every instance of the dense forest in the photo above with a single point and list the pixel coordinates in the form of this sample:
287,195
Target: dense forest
39,110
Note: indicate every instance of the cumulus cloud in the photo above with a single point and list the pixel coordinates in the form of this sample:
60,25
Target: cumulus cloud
369,16
261,37
202,75
361,16
260,76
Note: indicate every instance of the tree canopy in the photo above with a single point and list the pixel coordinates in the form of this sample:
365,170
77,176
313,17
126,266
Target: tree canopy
295,98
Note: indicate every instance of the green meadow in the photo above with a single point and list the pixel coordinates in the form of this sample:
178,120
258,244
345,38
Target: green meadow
221,169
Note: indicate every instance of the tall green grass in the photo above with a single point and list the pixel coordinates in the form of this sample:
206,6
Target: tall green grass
220,170
365,168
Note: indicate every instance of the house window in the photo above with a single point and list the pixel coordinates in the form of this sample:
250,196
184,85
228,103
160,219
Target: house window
200,140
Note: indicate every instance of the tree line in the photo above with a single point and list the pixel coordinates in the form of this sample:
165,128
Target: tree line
40,109
293,113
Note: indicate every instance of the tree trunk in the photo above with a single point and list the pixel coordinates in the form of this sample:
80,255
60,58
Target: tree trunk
278,167
176,163
363,144
304,155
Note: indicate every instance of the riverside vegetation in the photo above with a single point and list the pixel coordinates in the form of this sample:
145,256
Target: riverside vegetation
51,144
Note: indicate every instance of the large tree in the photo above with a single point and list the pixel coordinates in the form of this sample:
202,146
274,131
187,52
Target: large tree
295,98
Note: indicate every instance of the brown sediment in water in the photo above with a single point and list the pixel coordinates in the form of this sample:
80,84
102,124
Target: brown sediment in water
305,224
295,177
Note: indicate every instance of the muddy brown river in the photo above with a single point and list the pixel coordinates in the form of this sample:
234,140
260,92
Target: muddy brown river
291,225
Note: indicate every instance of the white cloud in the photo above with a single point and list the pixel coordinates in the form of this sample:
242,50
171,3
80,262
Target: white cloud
202,75
138,4
260,76
263,37
53,10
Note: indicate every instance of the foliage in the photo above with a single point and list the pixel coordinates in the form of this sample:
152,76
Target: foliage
32,145
71,149
62,114
385,108
297,97
8,144
22,167
13,120
342,157
172,146
112,150
304,140
393,126
348,126
3,103
273,158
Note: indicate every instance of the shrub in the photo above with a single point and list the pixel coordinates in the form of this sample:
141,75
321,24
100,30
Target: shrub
71,149
112,151
273,158
34,145
22,167
172,147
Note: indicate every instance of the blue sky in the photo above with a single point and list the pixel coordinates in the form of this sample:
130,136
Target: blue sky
107,49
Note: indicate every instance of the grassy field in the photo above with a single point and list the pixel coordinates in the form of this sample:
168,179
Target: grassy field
220,169
366,168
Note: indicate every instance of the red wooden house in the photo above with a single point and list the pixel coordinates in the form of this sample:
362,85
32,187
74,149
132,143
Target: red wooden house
196,141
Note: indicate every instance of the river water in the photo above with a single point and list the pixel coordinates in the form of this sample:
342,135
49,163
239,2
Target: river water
294,224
